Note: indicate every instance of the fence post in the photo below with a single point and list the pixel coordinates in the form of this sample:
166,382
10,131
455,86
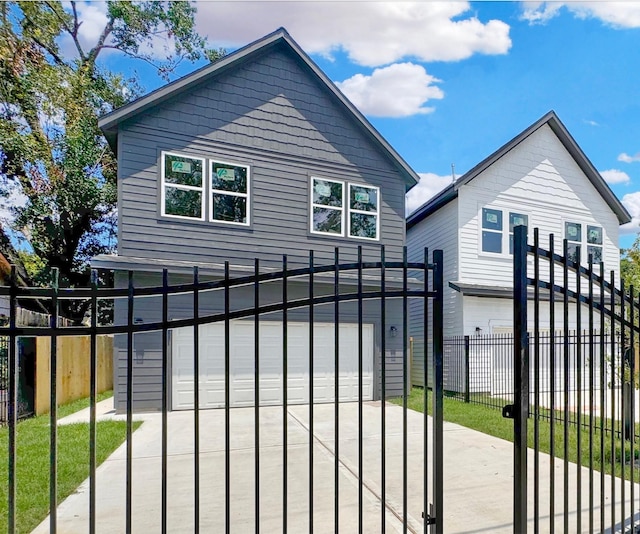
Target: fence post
438,383
521,380
466,368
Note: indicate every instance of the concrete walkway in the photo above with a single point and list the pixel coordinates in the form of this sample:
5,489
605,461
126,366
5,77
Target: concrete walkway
478,476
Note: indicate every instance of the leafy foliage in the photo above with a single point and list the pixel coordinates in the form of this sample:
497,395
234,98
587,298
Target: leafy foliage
630,265
53,154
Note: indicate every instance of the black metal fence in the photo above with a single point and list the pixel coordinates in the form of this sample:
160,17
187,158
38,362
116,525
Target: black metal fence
26,378
336,285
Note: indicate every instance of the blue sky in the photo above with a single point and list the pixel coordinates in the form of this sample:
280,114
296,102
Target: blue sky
451,82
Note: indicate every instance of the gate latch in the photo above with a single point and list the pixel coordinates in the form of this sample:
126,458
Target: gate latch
508,412
429,519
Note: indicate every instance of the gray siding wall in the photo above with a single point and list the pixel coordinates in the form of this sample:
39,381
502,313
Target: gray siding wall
147,347
271,115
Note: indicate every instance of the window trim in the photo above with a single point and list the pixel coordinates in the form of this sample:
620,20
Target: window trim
164,185
584,246
364,212
211,192
313,205
504,233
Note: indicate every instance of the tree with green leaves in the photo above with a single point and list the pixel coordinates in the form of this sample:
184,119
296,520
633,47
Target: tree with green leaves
630,265
52,91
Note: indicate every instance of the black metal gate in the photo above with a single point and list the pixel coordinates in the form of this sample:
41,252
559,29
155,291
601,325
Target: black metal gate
579,394
373,286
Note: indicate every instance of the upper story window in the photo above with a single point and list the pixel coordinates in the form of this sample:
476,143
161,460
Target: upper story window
586,236
229,201
497,236
342,209
182,186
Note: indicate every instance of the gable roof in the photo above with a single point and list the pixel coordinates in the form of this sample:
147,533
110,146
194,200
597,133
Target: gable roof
551,119
109,122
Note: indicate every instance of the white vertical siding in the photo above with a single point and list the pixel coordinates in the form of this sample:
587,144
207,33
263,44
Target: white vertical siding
541,179
437,231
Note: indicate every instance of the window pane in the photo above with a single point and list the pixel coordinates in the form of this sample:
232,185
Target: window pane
363,225
187,203
364,198
491,219
228,178
327,220
573,231
594,235
572,252
595,252
517,219
229,208
183,171
492,242
327,193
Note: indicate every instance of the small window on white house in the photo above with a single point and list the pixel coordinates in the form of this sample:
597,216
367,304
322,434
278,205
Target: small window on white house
364,211
495,237
229,193
588,238
327,206
182,186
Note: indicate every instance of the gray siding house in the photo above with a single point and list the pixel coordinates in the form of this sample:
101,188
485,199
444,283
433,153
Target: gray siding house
257,155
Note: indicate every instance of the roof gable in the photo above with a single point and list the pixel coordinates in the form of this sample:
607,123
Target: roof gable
569,143
280,38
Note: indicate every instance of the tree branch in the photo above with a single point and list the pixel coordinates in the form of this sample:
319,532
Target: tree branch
93,54
73,32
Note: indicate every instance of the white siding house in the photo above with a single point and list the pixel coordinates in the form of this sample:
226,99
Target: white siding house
542,179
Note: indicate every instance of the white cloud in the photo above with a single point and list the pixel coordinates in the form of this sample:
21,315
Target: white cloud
626,158
624,14
399,90
631,201
429,185
614,176
371,33
591,123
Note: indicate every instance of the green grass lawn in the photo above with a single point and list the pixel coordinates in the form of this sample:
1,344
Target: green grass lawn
490,421
32,465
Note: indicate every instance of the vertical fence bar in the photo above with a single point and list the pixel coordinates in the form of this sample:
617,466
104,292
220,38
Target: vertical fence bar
311,388
360,419
196,398
592,368
227,412
536,382
552,385
467,354
129,467
612,343
53,414
336,388
256,391
285,391
603,382
631,408
93,379
383,400
623,385
425,386
165,393
12,405
405,392
521,379
438,393
578,351
565,358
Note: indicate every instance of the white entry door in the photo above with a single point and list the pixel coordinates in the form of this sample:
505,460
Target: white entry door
242,364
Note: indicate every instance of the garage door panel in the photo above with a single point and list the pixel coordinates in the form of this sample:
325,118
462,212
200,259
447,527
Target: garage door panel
242,364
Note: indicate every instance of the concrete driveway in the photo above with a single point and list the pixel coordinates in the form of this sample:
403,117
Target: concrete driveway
478,475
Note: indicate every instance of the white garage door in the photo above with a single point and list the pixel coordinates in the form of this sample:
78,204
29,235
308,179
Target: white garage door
241,372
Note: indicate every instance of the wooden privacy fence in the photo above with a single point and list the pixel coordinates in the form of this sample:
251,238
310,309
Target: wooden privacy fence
73,369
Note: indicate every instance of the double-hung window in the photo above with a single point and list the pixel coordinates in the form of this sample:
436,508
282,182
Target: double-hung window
344,209
589,238
497,237
229,194
182,187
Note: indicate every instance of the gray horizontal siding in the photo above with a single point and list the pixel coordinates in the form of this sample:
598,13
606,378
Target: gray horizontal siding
147,347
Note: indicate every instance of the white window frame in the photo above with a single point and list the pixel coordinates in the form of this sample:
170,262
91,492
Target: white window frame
504,233
313,205
213,191
164,185
364,212
583,244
